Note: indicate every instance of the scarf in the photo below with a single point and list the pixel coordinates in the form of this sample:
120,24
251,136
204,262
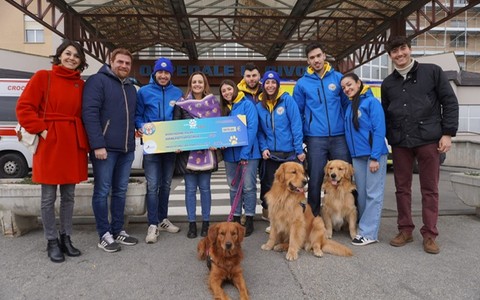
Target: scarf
208,107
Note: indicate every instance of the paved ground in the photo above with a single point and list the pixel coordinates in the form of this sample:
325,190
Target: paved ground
169,269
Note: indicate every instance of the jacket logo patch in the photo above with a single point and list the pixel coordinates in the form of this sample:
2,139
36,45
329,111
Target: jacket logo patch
332,87
280,110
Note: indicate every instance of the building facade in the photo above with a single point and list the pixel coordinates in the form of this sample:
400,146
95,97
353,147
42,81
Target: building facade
26,46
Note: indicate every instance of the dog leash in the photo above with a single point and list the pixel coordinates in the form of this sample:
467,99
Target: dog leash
238,195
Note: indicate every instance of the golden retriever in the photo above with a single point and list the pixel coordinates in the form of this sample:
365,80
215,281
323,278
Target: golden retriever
293,225
339,203
223,251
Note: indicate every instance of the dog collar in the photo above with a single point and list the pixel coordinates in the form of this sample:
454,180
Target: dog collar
303,204
209,262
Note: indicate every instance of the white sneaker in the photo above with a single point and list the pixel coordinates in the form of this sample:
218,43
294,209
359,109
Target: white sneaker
152,234
267,230
166,225
362,241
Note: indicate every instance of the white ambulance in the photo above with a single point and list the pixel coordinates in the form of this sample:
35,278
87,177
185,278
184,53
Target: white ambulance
15,158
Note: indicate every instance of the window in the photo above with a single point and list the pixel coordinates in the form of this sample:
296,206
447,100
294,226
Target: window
458,23
458,40
34,32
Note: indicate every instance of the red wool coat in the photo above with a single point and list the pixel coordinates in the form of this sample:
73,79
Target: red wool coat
62,157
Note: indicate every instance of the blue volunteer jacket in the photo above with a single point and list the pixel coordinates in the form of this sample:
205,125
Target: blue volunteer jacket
156,103
280,129
243,106
321,102
369,140
108,111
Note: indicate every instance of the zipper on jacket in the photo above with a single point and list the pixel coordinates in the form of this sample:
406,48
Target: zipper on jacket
106,127
349,124
161,107
326,107
233,148
126,115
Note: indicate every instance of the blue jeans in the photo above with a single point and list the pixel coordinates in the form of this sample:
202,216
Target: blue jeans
249,191
112,174
202,181
319,151
158,172
370,188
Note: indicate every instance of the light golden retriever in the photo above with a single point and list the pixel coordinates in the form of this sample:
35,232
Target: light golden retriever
293,225
338,206
223,251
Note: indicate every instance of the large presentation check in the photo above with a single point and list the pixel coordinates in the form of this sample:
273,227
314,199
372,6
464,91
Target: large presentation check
194,134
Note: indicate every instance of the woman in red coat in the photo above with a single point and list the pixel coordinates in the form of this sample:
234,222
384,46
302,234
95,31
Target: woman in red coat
50,106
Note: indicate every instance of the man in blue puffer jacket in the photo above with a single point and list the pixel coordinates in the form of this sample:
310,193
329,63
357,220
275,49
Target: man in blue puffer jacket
322,104
156,102
108,113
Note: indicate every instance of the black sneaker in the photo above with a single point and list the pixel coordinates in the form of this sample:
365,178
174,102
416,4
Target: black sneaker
108,244
125,239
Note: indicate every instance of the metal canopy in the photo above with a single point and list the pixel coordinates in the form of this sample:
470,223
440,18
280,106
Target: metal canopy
353,31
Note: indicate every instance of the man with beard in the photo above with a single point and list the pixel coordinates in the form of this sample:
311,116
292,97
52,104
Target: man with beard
250,84
251,87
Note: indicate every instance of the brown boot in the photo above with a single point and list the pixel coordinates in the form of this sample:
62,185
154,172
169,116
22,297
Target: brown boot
401,239
430,246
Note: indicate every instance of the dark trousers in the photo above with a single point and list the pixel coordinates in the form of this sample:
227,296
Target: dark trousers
267,175
429,172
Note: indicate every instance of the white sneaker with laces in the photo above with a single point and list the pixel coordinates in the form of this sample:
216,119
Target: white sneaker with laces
152,234
362,241
166,225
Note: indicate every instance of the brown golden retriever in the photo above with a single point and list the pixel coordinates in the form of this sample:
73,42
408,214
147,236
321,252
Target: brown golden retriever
339,202
293,225
223,251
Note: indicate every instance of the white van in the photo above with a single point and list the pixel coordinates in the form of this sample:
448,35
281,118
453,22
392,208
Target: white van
15,159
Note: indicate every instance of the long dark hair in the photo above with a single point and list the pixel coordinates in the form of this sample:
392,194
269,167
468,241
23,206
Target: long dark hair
223,102
355,99
64,45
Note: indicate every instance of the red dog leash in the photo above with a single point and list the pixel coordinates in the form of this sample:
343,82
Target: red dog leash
238,195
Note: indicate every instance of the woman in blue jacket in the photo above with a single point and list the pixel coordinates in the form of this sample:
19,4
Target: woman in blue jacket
155,103
244,158
280,130
365,136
